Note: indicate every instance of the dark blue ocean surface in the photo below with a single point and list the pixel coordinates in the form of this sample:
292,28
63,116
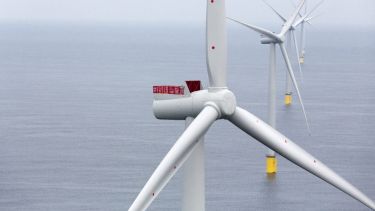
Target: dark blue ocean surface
77,130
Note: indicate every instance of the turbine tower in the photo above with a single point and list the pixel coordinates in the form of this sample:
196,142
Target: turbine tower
272,39
218,102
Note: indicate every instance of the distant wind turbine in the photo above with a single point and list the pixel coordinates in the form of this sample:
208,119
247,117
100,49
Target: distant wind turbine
292,36
272,39
304,18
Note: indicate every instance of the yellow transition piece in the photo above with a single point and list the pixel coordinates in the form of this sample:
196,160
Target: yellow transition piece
301,60
288,99
271,163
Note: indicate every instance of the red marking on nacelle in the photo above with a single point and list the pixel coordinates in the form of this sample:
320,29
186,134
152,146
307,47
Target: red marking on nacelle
213,47
173,90
212,1
193,85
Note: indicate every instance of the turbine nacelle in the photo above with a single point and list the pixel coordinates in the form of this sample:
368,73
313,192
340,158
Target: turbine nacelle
265,39
179,108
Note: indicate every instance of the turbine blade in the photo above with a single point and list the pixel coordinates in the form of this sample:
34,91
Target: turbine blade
309,18
275,11
299,21
276,141
315,7
313,17
174,158
216,44
299,13
297,53
291,19
257,29
291,74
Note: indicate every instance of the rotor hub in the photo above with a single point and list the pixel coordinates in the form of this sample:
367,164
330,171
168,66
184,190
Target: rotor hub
223,99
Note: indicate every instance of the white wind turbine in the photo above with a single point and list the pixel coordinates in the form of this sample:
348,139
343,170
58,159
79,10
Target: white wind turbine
272,39
302,21
292,36
218,102
306,19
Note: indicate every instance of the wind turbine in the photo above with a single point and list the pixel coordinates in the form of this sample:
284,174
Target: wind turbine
218,102
291,36
305,19
301,21
272,39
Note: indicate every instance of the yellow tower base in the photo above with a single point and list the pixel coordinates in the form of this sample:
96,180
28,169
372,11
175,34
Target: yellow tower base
301,60
271,163
288,99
